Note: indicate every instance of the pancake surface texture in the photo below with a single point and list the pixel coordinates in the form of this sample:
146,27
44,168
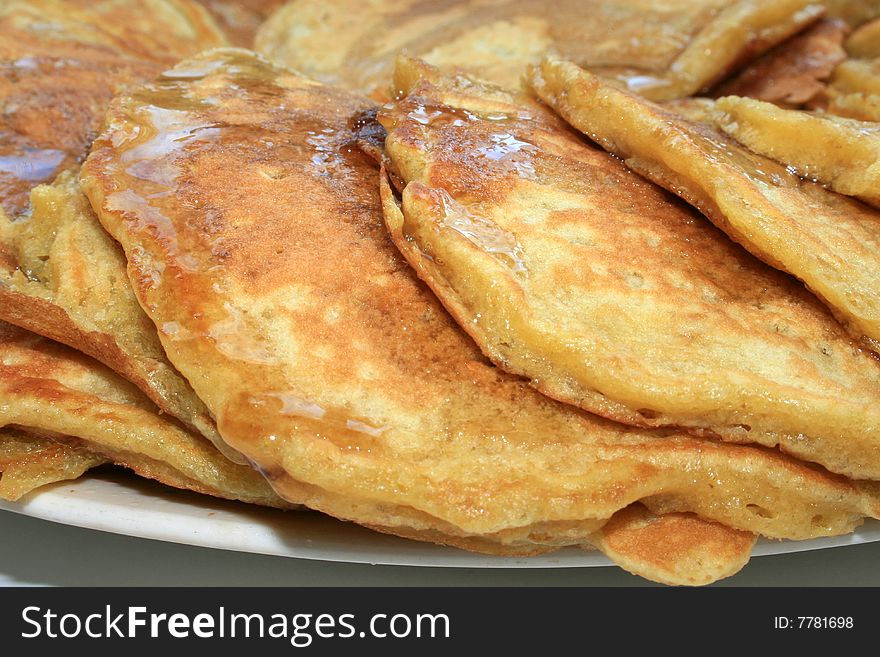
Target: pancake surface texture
841,153
677,548
29,461
66,280
657,47
61,275
50,389
61,61
829,241
339,375
571,270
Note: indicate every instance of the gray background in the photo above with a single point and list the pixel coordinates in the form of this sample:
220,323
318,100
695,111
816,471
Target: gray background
37,552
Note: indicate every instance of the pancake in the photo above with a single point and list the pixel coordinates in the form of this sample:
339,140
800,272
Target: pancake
339,375
795,71
240,19
60,274
864,43
841,153
657,47
51,389
829,241
60,64
676,549
65,279
29,461
606,293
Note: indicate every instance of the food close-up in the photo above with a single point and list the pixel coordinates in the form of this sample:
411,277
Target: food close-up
504,276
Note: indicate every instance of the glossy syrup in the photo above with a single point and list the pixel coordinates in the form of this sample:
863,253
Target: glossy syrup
280,414
482,233
167,124
32,164
722,150
489,142
154,162
23,168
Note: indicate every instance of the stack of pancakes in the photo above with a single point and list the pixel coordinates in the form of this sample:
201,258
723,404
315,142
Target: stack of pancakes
496,274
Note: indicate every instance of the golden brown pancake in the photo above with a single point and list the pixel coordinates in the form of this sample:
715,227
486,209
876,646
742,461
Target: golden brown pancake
61,61
865,41
795,71
829,241
49,388
338,374
60,274
841,153
29,461
605,292
656,47
677,548
66,279
240,19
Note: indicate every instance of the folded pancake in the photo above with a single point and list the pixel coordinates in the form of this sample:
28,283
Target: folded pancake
677,548
61,275
29,460
338,374
829,241
61,61
51,389
841,153
658,48
795,71
865,42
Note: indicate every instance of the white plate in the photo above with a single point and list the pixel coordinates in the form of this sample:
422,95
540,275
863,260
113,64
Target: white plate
123,504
